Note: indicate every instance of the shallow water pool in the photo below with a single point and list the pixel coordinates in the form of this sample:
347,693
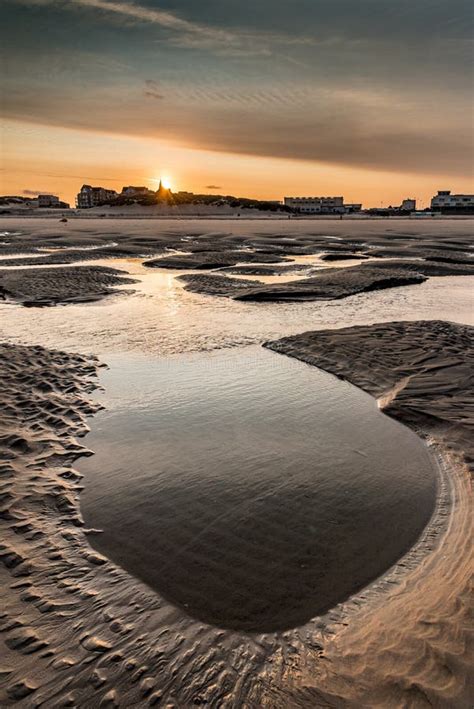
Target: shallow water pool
249,489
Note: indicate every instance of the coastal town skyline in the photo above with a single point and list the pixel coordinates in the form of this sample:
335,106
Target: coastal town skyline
96,196
362,186
371,100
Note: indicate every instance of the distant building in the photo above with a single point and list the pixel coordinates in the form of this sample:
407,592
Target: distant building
321,205
131,191
408,205
94,196
351,208
316,205
445,200
47,200
51,200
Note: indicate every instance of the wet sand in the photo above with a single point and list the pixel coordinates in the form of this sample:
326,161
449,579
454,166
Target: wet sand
49,286
80,631
328,284
403,259
415,648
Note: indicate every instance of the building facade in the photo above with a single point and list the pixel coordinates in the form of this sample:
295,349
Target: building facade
445,200
354,207
408,205
48,200
321,205
51,201
316,205
94,196
132,191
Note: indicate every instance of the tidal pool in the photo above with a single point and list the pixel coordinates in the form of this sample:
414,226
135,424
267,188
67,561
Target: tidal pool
250,490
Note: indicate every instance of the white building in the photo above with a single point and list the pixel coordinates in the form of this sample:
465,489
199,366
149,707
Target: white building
444,199
316,205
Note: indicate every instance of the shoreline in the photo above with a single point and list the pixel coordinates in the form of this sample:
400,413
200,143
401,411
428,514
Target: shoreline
103,629
233,216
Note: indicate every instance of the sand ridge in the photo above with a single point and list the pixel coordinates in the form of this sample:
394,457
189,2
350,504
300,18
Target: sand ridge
49,286
415,648
328,284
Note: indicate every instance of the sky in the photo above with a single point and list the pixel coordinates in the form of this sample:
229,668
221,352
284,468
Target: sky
369,99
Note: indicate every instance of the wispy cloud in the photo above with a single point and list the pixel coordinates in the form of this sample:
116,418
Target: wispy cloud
182,32
163,18
213,187
152,90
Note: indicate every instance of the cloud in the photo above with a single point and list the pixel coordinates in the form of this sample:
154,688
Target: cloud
213,187
152,90
373,83
350,128
35,193
184,33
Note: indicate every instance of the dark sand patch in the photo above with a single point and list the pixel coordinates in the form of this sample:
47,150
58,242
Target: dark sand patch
50,286
67,256
328,284
209,260
424,251
333,284
426,268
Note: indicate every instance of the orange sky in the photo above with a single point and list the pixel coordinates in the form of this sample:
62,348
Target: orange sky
59,160
371,100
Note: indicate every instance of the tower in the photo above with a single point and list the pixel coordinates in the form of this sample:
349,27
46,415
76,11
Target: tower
163,194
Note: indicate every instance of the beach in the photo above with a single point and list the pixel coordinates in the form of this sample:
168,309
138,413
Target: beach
378,319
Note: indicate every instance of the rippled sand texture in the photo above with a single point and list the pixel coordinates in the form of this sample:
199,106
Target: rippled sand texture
48,286
79,631
404,259
415,648
76,630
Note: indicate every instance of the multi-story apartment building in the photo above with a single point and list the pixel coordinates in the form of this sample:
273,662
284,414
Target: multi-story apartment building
316,205
48,200
444,199
51,200
94,196
131,191
321,205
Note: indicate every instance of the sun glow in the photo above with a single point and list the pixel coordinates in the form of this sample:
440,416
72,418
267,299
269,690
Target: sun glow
166,182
